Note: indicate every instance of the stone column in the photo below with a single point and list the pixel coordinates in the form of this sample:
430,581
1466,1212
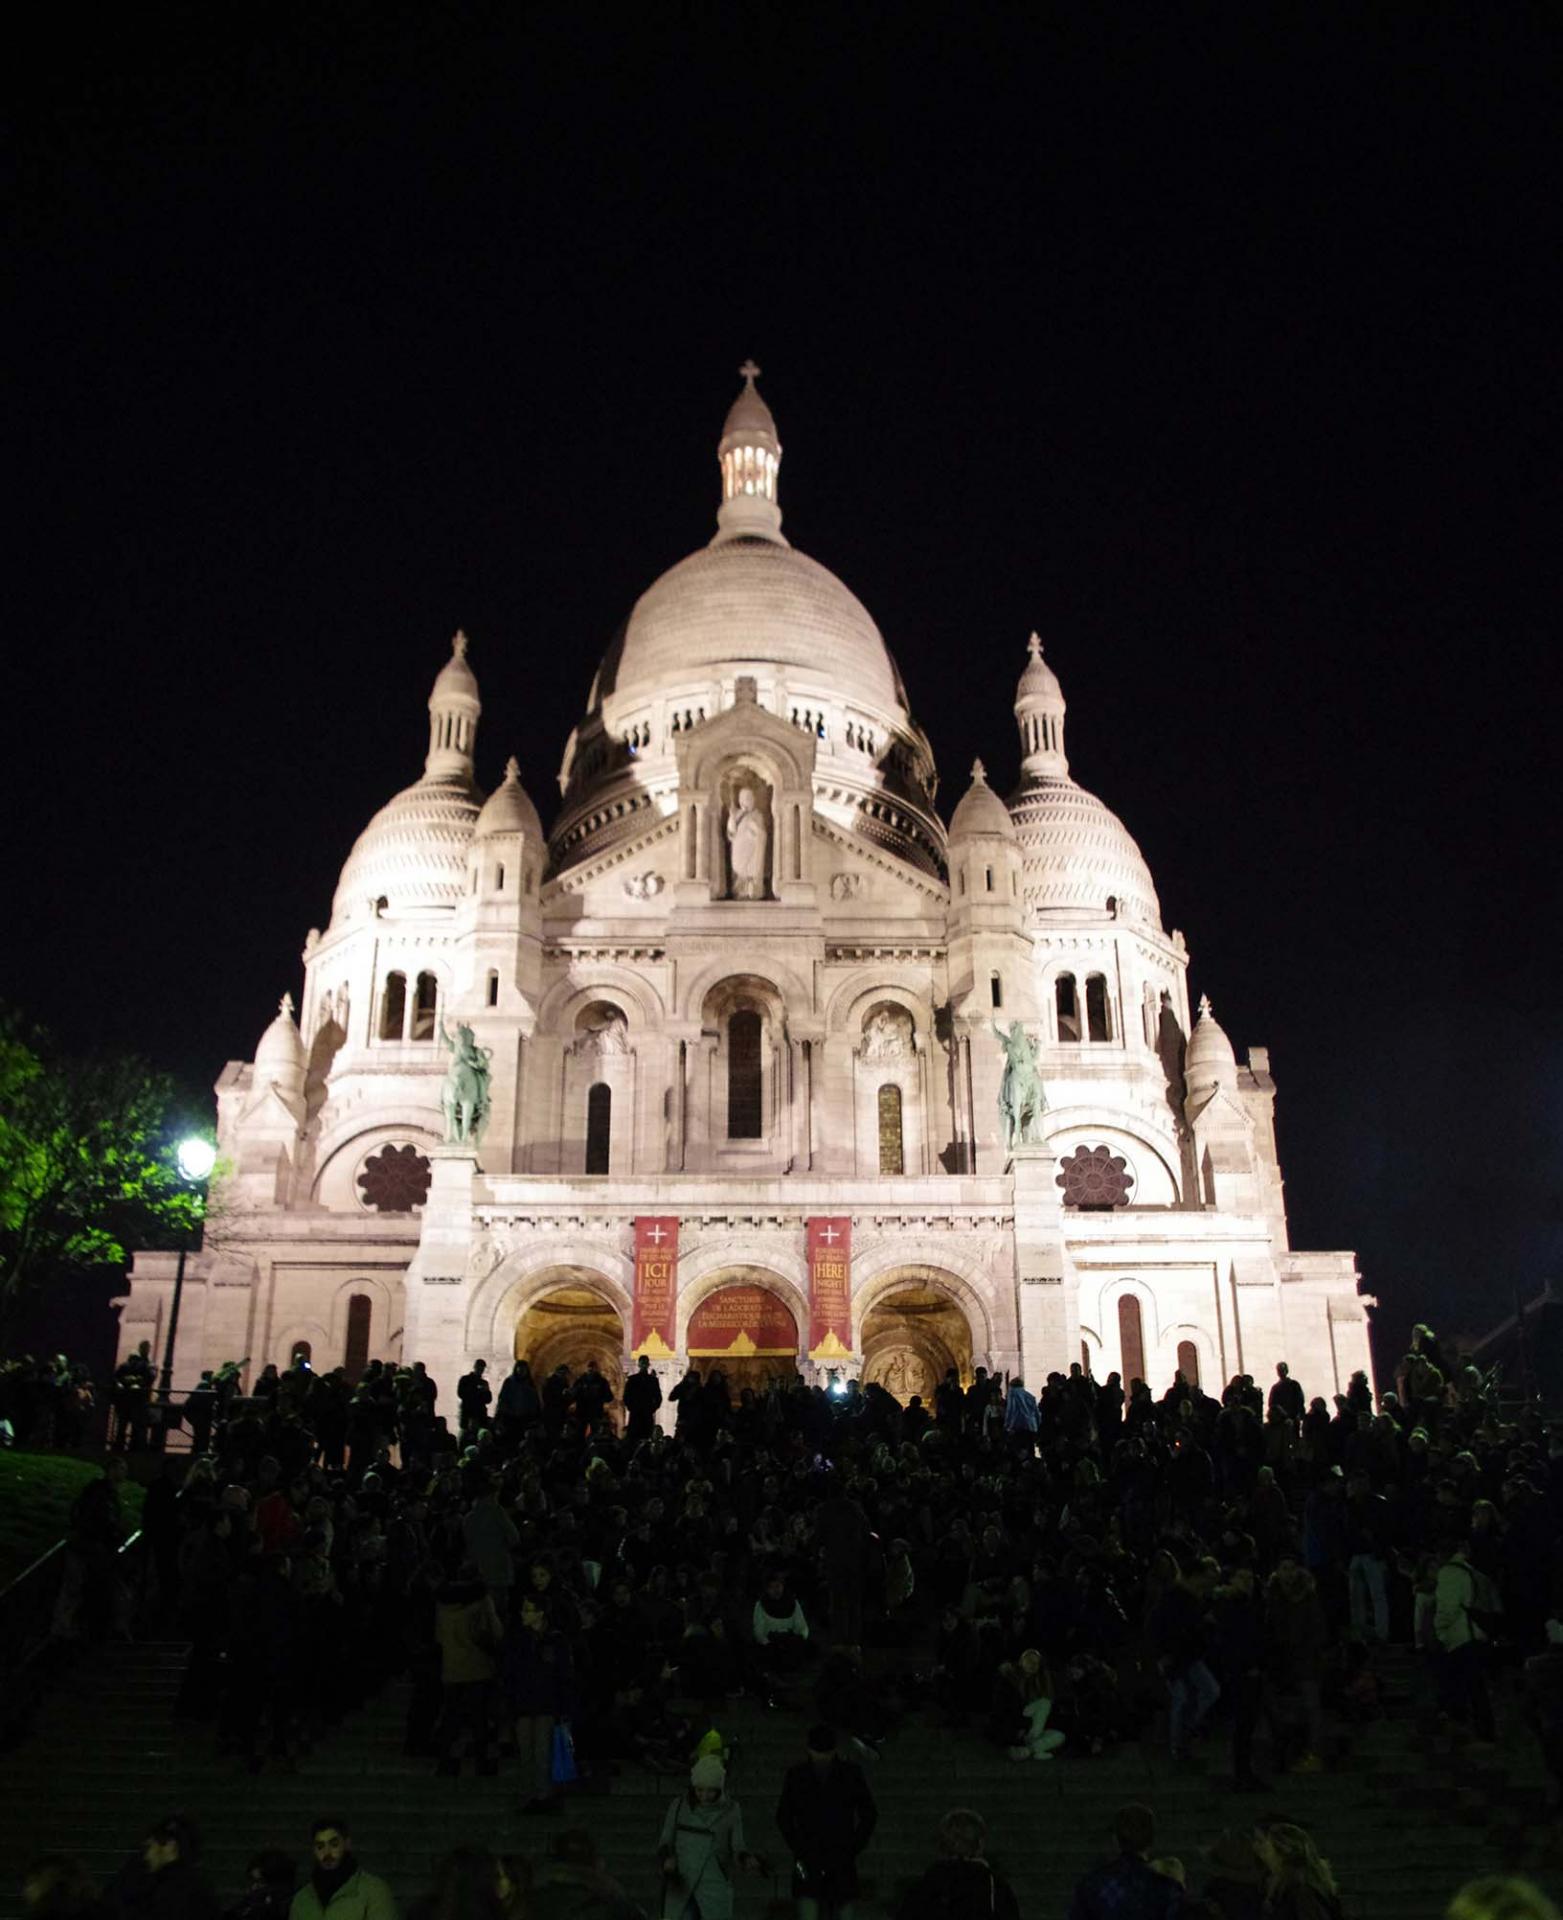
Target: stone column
438,1284
1048,1301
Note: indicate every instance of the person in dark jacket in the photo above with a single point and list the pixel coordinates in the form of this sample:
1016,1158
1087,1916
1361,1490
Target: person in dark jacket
1236,1877
520,1406
962,1884
642,1397
166,1882
1129,1887
537,1675
827,1816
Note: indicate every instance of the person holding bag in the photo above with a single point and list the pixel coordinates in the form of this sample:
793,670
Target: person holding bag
537,1674
701,1846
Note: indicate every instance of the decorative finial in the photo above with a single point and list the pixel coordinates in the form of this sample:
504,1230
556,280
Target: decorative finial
979,773
285,1006
512,769
750,372
1204,1006
458,645
1034,646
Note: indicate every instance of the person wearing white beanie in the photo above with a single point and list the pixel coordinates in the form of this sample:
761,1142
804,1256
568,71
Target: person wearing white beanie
702,1846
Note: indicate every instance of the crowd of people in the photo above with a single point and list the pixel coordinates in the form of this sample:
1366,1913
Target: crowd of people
47,1401
574,1590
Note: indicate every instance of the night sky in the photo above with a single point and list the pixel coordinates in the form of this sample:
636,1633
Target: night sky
1222,348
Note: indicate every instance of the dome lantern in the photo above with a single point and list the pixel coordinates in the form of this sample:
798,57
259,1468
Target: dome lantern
279,1056
454,707
1039,713
1209,1061
749,453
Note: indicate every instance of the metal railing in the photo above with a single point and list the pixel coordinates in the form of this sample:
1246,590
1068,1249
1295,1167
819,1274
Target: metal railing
52,1610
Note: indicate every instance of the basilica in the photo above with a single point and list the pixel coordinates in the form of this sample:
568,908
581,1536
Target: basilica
738,1033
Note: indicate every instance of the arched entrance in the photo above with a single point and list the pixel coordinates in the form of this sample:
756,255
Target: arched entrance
748,1332
912,1336
567,1325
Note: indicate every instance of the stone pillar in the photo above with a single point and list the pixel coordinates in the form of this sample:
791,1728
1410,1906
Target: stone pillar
1048,1301
438,1283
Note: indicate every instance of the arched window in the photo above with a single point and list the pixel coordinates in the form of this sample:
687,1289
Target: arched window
1131,1339
891,1157
743,1076
499,878
393,1006
987,875
1098,1013
425,1007
996,989
355,1357
599,1127
492,994
1188,1361
1068,1003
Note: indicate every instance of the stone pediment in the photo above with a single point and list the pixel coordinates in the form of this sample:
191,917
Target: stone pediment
745,727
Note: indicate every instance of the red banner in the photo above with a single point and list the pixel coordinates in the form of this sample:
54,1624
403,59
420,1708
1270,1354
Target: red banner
742,1323
656,1286
830,1289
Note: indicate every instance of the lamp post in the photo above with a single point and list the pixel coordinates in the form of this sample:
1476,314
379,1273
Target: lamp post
196,1159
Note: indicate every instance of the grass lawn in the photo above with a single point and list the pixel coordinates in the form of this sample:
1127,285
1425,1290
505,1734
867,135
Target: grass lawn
36,1491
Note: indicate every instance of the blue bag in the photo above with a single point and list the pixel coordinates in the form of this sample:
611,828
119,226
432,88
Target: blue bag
561,1758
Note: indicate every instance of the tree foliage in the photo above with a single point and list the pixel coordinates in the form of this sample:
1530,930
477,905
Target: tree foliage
87,1166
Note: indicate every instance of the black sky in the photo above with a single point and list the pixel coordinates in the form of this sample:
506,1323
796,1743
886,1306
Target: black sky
1219,346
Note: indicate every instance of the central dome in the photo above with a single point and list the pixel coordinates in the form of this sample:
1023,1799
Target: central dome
743,605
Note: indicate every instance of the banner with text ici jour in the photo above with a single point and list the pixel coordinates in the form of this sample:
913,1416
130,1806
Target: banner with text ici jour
656,1286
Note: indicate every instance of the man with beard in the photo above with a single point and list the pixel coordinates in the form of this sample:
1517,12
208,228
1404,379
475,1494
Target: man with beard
337,1884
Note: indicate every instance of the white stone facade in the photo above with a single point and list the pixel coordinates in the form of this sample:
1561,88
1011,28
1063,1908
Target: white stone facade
750,979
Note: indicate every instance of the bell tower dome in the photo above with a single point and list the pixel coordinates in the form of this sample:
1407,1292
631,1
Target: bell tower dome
749,452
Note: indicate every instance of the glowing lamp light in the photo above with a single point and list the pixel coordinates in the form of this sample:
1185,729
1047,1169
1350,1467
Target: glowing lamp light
196,1158
838,1386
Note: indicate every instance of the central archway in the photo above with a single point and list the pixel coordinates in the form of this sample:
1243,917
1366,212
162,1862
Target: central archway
567,1324
912,1335
746,1330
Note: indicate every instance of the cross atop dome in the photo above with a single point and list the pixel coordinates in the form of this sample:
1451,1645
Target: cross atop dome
749,453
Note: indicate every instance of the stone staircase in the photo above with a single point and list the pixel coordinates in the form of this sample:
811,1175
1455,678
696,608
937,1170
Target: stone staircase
1403,1815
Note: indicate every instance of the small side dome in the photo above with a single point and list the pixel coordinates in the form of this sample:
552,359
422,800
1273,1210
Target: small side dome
279,1057
1209,1060
509,809
981,811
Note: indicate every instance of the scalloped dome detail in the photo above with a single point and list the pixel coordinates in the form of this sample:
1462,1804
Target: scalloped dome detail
413,853
750,603
1076,854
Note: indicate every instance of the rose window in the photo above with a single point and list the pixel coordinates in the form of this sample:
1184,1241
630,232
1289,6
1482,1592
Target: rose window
1095,1179
395,1180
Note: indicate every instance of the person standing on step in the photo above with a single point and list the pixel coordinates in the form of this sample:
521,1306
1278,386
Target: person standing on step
537,1675
701,1847
642,1397
844,1539
473,1396
961,1885
337,1884
468,1631
1128,1887
827,1816
520,1406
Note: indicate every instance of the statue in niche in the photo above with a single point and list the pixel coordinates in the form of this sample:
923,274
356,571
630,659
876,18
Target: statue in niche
606,1034
887,1035
748,841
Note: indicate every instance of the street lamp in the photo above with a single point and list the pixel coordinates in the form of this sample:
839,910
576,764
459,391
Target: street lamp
196,1158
